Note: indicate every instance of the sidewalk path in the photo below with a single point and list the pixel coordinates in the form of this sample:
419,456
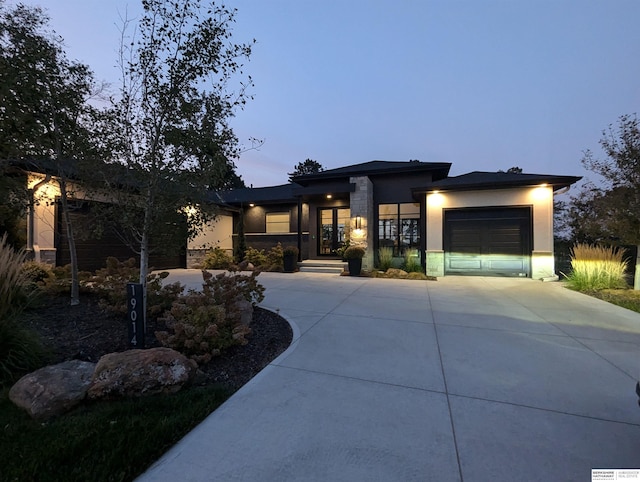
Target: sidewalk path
474,379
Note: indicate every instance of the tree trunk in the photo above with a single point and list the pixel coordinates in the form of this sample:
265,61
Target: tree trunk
636,278
73,255
144,252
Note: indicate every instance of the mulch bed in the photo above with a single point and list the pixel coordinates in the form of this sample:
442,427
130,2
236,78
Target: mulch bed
86,332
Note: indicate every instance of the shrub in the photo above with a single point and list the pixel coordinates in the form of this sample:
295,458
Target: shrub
21,351
256,257
275,258
412,261
354,252
340,251
110,283
269,261
290,251
597,267
385,258
36,272
217,258
20,348
59,280
203,323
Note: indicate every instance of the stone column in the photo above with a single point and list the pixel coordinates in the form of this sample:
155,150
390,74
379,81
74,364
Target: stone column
361,204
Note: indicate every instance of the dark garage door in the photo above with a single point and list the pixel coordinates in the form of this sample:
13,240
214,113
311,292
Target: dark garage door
488,242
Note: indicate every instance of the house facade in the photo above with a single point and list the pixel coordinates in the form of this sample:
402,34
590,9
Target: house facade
47,239
481,223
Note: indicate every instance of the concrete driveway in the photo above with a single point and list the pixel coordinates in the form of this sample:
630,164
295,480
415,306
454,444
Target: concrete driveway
474,379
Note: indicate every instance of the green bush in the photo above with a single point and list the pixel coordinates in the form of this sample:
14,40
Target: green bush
20,348
412,261
597,267
385,258
217,258
354,252
203,323
37,272
267,261
59,281
21,351
275,258
340,251
256,257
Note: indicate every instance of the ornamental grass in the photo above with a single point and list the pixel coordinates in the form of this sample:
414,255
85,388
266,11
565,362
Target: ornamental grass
597,267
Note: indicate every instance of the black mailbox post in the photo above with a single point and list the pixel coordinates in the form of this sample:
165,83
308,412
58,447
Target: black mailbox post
135,315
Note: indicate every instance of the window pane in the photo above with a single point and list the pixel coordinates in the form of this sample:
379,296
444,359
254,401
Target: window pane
410,210
409,237
399,226
278,222
387,211
387,225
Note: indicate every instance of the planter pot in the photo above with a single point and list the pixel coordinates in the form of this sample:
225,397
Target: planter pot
355,266
289,261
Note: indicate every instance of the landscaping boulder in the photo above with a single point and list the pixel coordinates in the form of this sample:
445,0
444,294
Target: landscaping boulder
135,373
53,390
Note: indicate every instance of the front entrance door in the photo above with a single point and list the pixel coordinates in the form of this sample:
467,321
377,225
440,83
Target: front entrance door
334,230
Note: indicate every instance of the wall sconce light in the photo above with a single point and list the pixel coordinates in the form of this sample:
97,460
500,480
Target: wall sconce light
358,222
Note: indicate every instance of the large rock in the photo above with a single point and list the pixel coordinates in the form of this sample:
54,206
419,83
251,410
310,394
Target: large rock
135,373
53,390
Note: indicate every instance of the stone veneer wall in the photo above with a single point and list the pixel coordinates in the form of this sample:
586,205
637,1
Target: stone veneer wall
361,204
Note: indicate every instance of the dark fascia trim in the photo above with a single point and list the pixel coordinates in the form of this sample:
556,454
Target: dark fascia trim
325,189
390,170
557,182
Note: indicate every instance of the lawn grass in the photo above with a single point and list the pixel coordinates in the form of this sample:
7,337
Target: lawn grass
100,441
629,299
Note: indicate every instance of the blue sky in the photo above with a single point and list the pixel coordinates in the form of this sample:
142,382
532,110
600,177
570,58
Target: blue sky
483,84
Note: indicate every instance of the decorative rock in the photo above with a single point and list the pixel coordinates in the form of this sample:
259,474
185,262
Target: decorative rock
246,266
53,390
135,373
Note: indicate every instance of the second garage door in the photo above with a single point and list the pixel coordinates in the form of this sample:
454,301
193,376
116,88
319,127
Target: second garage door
488,242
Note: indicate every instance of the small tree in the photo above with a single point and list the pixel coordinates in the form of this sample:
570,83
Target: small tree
309,166
611,211
44,114
170,122
512,170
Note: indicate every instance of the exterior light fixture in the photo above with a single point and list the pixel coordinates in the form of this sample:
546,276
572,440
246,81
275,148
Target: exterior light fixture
329,196
358,222
251,205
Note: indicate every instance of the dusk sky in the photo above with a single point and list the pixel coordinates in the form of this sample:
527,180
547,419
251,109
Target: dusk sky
483,84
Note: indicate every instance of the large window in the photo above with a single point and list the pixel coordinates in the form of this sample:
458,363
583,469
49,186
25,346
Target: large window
278,222
399,227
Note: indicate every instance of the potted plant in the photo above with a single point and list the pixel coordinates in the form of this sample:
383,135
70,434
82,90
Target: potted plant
354,255
340,251
290,258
